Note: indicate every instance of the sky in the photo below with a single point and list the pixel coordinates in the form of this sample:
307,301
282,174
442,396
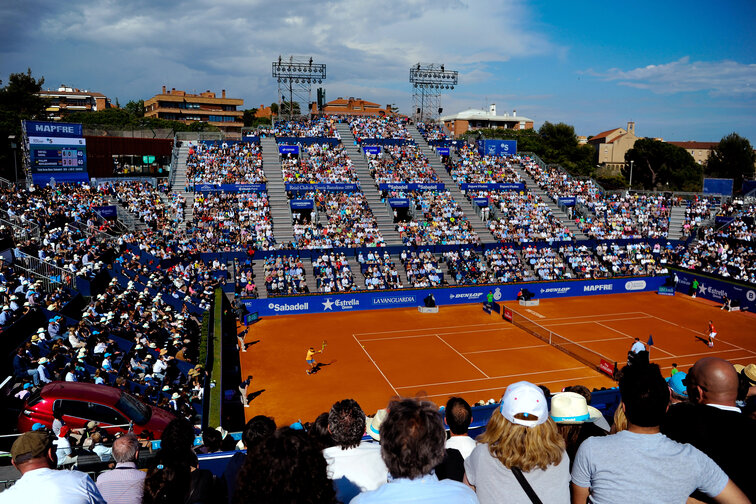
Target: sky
680,70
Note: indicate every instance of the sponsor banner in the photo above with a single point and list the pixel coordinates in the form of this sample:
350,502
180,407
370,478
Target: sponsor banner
497,147
666,290
251,139
372,149
717,186
714,289
303,204
229,187
288,149
607,367
399,202
322,187
481,202
493,186
101,181
109,212
722,220
507,315
442,151
402,186
50,129
567,201
373,300
43,179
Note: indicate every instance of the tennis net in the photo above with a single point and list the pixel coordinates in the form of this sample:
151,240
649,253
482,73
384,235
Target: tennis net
585,355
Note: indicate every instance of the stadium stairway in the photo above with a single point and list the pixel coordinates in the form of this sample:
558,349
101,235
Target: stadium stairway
558,212
478,225
676,221
310,280
258,271
280,213
354,265
381,212
180,184
445,268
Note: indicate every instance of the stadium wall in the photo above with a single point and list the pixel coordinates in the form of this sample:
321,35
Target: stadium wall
410,298
715,289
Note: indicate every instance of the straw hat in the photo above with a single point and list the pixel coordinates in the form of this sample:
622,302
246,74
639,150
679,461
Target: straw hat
374,424
572,408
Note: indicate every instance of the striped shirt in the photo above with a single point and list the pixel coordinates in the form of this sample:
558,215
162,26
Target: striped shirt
122,485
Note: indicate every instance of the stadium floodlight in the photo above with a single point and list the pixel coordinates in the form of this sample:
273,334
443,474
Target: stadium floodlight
427,82
295,78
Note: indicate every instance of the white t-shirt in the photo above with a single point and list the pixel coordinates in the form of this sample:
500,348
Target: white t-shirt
355,470
53,487
465,444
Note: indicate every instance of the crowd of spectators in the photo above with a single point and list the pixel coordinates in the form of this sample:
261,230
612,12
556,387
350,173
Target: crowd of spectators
317,127
320,164
422,269
697,211
332,273
379,270
345,220
432,131
471,167
366,127
633,259
285,274
499,265
720,256
401,164
224,163
443,221
523,218
547,263
237,220
583,262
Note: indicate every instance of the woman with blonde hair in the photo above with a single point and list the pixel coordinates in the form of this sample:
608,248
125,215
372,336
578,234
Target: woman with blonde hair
521,453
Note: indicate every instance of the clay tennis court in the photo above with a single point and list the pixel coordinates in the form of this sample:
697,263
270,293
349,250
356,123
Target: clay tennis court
372,356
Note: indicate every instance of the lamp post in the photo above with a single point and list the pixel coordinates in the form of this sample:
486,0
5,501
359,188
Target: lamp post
14,147
631,173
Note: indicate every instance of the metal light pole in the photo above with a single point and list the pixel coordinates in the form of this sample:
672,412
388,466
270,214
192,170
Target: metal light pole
631,173
14,147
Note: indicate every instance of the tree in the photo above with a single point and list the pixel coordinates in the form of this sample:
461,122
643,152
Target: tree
135,108
293,109
661,165
249,117
274,108
732,158
18,101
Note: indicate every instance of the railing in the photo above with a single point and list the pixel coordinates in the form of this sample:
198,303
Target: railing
51,276
174,162
22,230
6,184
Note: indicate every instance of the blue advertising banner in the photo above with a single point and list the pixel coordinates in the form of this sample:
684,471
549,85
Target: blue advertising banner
402,186
481,202
442,151
50,129
371,149
748,186
229,188
288,149
399,202
721,220
497,147
304,204
383,141
665,290
307,140
322,187
493,186
567,201
717,186
109,212
715,290
444,296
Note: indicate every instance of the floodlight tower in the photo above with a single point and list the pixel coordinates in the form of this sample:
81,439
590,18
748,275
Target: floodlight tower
428,82
295,78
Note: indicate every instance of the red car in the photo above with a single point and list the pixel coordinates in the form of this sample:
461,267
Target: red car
81,402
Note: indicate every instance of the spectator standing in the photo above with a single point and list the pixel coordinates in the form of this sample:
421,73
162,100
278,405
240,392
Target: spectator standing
353,465
520,436
458,416
652,467
125,483
412,444
257,429
33,454
712,423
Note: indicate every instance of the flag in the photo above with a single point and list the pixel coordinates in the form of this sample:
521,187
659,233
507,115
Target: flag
650,340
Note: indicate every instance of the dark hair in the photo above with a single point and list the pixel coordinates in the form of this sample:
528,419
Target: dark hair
211,438
176,443
412,438
167,485
580,389
319,432
346,421
645,394
458,415
259,427
285,468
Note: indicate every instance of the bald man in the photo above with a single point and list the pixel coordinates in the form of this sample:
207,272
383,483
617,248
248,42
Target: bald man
714,424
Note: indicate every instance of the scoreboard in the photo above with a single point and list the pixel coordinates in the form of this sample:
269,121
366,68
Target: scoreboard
56,150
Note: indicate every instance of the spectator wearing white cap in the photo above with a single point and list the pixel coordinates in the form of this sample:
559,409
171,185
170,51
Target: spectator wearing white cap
520,438
44,375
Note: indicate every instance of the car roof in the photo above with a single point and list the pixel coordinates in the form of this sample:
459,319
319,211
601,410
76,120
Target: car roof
82,392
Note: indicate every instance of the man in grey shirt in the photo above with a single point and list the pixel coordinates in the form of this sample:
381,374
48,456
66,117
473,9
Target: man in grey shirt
641,464
125,483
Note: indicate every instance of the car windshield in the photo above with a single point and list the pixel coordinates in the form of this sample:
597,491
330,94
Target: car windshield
133,408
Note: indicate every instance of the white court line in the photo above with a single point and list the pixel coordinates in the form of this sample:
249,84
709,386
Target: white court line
458,392
708,353
503,328
493,377
704,333
546,322
633,337
468,360
376,365
427,329
536,346
593,316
